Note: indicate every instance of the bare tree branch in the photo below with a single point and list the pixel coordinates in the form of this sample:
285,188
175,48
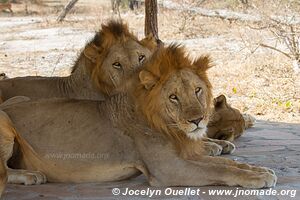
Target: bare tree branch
278,50
66,9
229,15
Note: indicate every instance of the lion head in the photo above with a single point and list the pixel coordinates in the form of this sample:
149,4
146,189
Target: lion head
114,54
226,122
174,93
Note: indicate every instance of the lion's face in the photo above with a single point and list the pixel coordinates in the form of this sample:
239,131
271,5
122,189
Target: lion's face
115,54
226,122
121,61
177,92
183,103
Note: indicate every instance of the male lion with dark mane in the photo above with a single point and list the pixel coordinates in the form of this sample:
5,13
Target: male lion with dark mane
143,131
100,71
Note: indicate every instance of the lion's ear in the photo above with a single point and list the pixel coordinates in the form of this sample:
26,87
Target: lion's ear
220,101
91,52
147,79
149,41
203,63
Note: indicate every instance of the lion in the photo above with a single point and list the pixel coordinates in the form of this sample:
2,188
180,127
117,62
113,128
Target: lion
226,122
100,71
140,131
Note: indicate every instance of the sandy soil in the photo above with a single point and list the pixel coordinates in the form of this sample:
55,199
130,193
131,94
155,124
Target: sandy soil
256,81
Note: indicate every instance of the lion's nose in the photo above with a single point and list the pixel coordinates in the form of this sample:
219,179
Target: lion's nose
135,67
196,121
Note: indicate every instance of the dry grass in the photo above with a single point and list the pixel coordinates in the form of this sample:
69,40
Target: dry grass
257,81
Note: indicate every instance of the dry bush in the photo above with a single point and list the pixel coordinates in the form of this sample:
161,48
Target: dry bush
289,36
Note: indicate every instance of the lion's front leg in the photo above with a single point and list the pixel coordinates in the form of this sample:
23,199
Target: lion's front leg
227,161
211,171
239,174
167,168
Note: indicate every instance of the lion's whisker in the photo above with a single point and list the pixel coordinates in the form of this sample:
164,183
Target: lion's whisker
172,125
112,80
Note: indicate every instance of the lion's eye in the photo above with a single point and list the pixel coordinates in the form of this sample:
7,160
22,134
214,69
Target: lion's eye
173,98
142,58
117,65
198,90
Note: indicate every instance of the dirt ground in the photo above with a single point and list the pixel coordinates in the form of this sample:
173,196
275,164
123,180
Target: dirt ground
256,80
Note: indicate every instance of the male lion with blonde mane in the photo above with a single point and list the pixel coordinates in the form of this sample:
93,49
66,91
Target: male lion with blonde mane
100,71
167,103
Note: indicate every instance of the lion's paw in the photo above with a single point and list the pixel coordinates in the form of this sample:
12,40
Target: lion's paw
260,180
34,178
214,149
27,177
228,147
263,169
270,171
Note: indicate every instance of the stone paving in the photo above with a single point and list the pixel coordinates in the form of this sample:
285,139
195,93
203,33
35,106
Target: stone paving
274,145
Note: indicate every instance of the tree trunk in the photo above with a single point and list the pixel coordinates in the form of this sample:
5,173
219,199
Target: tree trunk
151,18
66,9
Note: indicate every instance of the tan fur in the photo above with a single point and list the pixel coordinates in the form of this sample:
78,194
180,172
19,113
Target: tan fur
3,179
155,76
14,100
112,34
249,120
149,42
227,123
95,75
4,6
119,130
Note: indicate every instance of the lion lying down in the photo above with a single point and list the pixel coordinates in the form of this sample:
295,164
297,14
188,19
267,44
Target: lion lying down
227,123
144,131
92,77
106,61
